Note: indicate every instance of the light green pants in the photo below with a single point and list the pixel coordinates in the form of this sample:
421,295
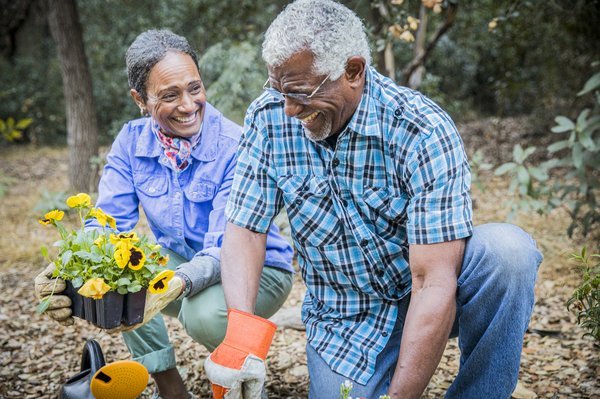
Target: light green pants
204,317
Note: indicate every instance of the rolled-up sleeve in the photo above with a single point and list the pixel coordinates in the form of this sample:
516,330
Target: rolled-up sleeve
438,183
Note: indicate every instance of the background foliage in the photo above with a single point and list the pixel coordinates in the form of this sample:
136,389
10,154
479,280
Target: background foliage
531,63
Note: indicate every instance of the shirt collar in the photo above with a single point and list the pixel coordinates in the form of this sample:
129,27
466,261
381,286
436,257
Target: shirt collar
206,150
364,121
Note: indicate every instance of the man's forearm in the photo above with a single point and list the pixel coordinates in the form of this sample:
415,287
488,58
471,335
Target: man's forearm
426,329
242,259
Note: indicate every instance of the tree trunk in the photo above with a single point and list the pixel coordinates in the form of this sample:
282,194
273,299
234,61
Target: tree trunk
419,48
418,60
82,126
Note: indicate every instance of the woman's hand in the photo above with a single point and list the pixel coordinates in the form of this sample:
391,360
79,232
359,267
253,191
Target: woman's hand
59,307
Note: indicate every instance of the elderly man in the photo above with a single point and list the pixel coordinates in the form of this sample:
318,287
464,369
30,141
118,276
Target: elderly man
375,181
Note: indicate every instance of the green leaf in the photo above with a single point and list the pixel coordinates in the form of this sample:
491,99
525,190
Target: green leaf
538,174
582,118
518,154
502,169
577,155
123,281
77,282
528,152
44,251
592,84
66,257
523,175
43,305
559,145
24,123
564,124
122,290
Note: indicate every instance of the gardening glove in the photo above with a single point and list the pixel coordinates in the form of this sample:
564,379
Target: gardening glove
59,307
199,273
236,368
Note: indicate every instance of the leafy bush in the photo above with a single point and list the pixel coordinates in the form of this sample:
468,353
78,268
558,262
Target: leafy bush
576,157
11,130
585,301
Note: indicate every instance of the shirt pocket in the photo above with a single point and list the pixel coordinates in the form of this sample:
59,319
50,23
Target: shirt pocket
200,191
310,210
387,211
151,185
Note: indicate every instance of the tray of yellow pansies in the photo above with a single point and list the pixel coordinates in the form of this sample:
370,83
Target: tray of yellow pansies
107,273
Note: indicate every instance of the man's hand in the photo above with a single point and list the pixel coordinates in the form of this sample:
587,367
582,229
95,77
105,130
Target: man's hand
236,367
59,306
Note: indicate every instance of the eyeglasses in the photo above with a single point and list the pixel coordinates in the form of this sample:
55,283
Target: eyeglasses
298,97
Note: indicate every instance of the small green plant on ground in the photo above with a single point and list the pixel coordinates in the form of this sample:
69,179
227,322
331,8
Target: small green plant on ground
12,130
346,388
585,302
576,156
51,200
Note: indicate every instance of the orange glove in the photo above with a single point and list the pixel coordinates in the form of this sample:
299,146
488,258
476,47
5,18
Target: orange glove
236,368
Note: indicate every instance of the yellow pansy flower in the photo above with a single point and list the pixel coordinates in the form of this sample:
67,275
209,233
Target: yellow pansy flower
160,283
52,216
122,255
162,260
103,218
128,238
94,288
81,200
136,258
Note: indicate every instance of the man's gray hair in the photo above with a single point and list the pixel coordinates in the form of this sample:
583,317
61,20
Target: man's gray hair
331,31
148,49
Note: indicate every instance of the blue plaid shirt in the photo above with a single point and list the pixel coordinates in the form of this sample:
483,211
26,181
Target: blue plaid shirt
397,176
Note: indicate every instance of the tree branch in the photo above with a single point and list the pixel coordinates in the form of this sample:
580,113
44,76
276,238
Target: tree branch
419,59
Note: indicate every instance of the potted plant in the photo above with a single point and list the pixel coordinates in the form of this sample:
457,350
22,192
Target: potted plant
107,272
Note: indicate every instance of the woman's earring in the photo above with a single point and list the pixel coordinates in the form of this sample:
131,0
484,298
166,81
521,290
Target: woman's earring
143,112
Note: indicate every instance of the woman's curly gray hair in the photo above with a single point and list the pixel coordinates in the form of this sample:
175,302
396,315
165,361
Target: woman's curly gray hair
332,32
148,49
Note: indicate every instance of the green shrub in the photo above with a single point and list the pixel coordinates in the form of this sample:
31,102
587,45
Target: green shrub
585,301
575,157
11,130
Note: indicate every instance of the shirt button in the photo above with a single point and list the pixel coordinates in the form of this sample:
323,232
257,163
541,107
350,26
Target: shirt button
384,334
299,201
364,243
344,203
379,272
398,112
335,162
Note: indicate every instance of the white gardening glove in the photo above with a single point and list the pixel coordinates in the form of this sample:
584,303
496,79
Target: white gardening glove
59,307
236,368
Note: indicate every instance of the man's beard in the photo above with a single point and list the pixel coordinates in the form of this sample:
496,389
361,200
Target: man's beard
321,134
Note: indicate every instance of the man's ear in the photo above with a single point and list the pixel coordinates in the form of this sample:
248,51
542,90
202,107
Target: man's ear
355,70
138,99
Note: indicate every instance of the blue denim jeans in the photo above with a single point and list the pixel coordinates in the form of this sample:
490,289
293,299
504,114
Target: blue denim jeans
494,302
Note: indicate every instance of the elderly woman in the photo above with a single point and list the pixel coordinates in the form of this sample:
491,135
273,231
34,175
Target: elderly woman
177,162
